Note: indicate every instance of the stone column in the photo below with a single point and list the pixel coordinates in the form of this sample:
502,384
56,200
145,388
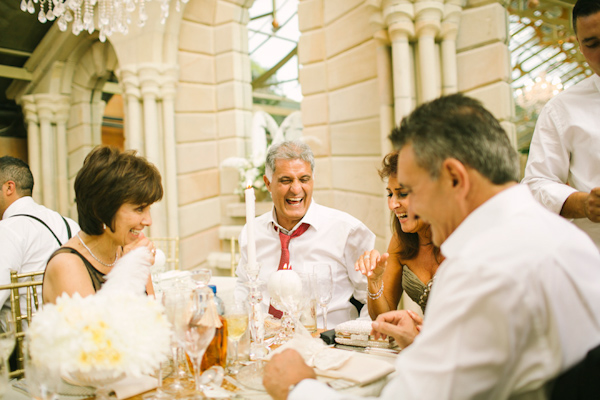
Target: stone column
133,114
449,30
170,167
46,106
33,143
398,16
62,173
428,15
149,78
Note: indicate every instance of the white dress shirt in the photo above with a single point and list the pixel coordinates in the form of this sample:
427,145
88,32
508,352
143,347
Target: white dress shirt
333,237
565,148
26,244
515,303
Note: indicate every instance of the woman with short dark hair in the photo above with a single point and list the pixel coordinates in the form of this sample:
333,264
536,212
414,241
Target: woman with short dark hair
114,191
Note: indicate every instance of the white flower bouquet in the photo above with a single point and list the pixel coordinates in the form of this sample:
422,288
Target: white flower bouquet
123,333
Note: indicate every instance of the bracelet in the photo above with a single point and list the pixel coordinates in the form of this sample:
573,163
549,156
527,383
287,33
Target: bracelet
375,296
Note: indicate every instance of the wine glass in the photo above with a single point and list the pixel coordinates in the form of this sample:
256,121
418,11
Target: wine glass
324,287
7,345
176,301
42,380
236,315
201,277
199,333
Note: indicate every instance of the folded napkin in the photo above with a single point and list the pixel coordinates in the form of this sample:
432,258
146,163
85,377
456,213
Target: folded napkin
132,386
335,363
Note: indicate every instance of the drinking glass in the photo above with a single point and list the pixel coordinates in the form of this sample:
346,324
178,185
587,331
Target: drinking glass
7,345
199,333
201,277
42,380
236,315
324,287
177,302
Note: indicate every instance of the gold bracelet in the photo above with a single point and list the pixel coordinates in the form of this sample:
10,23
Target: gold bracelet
375,296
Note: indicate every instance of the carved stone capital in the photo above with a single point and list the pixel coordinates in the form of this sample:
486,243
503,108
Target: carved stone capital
428,16
29,108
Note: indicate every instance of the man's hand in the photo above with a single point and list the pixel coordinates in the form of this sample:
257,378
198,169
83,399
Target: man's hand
285,369
402,325
591,205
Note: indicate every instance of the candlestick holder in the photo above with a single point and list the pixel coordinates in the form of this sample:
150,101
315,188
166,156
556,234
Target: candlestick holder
258,348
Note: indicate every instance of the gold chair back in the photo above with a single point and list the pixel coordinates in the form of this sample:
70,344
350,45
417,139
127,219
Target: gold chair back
170,246
29,282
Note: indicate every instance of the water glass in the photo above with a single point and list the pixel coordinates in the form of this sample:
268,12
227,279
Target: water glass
201,277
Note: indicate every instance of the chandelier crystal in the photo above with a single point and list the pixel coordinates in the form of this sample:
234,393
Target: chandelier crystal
105,16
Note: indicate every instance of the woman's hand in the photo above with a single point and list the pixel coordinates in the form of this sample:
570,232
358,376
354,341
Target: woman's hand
372,264
141,241
402,325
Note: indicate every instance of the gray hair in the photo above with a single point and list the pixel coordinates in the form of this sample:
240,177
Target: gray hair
458,127
288,150
16,170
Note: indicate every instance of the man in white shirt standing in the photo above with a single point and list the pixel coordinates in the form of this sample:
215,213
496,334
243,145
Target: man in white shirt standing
29,232
563,168
516,301
313,233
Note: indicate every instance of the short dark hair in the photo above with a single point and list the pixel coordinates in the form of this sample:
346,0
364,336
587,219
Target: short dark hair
409,241
16,170
584,8
457,126
110,178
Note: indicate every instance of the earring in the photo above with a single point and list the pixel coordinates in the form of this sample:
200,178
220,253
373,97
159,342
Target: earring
104,226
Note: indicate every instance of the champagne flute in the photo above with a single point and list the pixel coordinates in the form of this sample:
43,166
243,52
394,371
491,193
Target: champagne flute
176,301
236,315
324,283
199,333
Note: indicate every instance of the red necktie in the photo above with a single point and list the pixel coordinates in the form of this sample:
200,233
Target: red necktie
284,261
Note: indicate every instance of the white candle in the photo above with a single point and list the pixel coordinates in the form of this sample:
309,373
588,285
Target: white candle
250,212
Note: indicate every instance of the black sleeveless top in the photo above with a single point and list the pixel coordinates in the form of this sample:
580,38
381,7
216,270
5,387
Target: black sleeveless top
96,276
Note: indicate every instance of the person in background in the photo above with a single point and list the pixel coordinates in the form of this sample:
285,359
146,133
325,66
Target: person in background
114,191
411,260
29,232
515,302
313,233
563,167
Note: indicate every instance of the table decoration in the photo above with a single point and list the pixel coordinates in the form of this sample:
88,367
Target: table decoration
287,290
99,339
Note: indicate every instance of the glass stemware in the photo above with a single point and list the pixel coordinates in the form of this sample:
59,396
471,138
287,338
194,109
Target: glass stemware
42,380
324,288
236,314
199,333
7,345
176,301
201,277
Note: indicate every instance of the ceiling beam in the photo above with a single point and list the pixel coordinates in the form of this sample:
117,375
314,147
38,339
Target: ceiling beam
6,71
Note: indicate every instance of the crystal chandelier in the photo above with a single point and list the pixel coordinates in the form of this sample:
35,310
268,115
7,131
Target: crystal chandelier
105,16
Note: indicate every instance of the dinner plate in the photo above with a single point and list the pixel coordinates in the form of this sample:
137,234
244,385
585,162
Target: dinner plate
251,376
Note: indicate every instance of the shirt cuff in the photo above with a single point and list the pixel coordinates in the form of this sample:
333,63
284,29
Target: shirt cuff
312,389
554,197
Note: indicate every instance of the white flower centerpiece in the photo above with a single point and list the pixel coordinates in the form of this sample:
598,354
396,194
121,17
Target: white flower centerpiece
101,338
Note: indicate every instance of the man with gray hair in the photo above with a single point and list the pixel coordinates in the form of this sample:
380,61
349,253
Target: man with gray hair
299,233
29,232
516,301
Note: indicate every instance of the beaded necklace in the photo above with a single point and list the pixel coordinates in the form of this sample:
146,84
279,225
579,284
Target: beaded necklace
96,258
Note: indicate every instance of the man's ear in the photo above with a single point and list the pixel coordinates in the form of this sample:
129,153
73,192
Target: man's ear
267,182
11,188
457,175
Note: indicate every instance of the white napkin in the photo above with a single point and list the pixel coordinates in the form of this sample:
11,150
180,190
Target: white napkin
132,386
360,368
335,363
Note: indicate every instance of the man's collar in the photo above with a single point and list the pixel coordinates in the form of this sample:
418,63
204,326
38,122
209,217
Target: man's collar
490,214
17,206
310,218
